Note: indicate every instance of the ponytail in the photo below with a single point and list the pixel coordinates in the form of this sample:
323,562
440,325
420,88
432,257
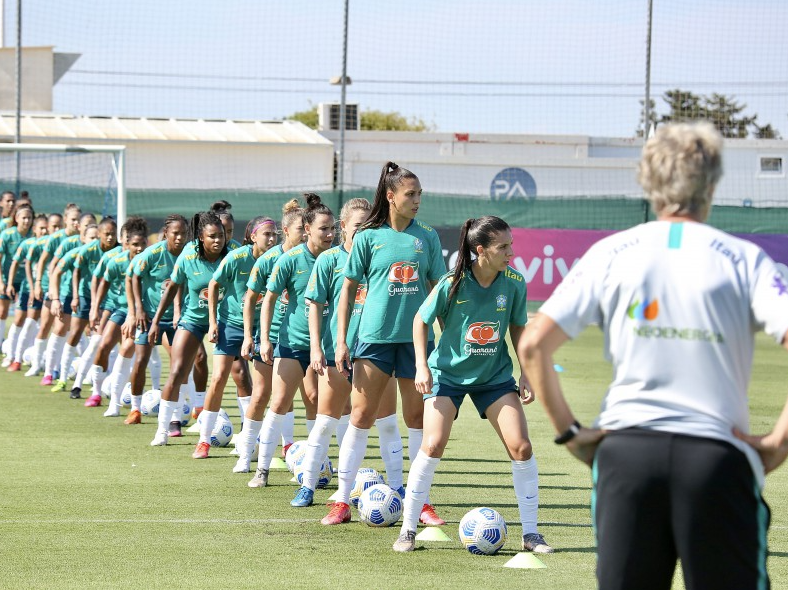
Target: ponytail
474,233
391,176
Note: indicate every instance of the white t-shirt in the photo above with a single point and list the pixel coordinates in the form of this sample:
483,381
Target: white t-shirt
679,304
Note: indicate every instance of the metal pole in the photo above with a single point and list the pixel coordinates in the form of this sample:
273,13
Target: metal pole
342,114
18,76
647,99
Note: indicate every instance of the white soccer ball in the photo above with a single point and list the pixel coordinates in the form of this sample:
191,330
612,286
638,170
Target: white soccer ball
27,356
222,432
295,453
366,478
106,387
483,531
151,399
6,347
72,370
125,396
186,413
323,477
379,505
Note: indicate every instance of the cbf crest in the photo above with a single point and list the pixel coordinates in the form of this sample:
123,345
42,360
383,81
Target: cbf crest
418,245
500,302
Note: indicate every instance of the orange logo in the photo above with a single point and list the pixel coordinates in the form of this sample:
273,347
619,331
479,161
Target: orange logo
483,332
361,295
204,294
284,297
404,272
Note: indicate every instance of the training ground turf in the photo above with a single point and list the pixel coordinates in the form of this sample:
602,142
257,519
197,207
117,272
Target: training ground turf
86,503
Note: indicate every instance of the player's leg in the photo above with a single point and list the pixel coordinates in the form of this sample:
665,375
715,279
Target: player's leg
40,341
142,352
243,382
253,419
222,366
55,347
309,394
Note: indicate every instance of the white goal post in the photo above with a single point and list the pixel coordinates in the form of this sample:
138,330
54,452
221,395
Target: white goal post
118,164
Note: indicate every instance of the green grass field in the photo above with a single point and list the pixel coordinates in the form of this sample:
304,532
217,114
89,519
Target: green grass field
86,503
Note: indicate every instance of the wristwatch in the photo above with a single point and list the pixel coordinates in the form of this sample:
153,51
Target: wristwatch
568,434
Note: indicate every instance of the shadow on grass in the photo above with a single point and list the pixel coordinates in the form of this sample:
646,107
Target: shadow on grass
575,549
778,554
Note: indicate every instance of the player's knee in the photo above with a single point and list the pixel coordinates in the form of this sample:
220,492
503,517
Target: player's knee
521,451
434,448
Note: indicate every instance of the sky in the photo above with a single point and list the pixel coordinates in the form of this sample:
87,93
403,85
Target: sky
560,67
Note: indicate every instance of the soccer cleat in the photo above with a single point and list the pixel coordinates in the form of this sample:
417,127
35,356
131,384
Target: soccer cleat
76,393
93,401
304,497
401,492
175,429
242,465
339,514
260,479
60,385
201,450
112,412
14,367
405,542
429,517
535,542
33,372
134,417
47,380
159,440
6,362
284,450
55,374
196,412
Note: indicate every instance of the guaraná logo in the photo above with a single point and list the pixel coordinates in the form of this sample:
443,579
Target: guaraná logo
483,332
648,310
404,272
361,295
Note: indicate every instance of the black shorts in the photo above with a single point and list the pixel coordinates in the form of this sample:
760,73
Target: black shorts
659,497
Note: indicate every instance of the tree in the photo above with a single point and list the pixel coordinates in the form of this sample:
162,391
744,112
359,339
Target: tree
307,117
371,120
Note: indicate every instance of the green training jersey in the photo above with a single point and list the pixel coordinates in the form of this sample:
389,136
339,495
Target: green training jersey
195,273
21,256
258,279
291,273
398,267
50,247
154,266
98,272
115,273
9,241
325,286
5,223
232,275
66,267
66,246
472,349
88,257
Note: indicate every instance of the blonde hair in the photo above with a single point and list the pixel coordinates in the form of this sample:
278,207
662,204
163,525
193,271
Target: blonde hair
680,167
357,204
291,211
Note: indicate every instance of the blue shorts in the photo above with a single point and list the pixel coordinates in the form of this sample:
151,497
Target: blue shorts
333,363
164,328
302,356
23,303
66,303
17,288
195,330
395,359
118,316
231,338
482,396
83,312
256,350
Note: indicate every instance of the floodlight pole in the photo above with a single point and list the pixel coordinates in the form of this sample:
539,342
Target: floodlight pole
647,99
18,99
342,114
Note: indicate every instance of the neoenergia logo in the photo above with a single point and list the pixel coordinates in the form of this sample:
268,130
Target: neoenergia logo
648,310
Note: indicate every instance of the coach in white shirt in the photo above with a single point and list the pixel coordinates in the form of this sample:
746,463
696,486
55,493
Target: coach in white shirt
679,303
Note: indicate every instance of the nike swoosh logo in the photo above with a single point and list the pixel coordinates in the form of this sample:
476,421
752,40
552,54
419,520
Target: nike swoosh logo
378,247
338,269
299,272
161,266
461,302
530,497
244,273
198,273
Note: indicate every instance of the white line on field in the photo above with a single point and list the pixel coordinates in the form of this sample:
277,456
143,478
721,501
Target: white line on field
158,521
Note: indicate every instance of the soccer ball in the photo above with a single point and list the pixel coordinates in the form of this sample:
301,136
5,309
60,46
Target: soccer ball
27,356
323,477
186,413
149,406
294,454
379,505
73,368
222,432
483,531
106,387
366,478
125,396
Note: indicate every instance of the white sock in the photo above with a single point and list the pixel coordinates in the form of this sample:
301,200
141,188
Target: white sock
526,488
154,366
342,428
86,360
99,374
288,429
39,346
24,337
391,449
198,401
351,454
317,448
69,354
53,352
123,367
310,424
269,437
248,438
166,412
83,342
422,470
136,401
2,332
415,436
207,422
243,406
13,340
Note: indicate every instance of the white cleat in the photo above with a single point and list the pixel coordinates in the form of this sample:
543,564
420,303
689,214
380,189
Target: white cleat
242,466
112,412
33,372
6,362
160,439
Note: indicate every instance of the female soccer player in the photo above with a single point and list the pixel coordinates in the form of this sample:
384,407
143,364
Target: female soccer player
293,229
679,303
194,272
478,302
227,331
148,277
10,285
291,357
402,260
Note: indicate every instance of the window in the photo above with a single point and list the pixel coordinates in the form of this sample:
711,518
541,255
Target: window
771,166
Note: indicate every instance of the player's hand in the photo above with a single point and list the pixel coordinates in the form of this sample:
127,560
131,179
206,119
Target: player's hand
74,305
38,292
317,360
153,333
10,291
129,326
584,444
267,351
56,308
423,380
527,394
213,332
94,318
772,449
247,348
342,359
142,322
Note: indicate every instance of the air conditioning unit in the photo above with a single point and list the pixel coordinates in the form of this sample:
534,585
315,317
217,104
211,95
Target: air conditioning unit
328,116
